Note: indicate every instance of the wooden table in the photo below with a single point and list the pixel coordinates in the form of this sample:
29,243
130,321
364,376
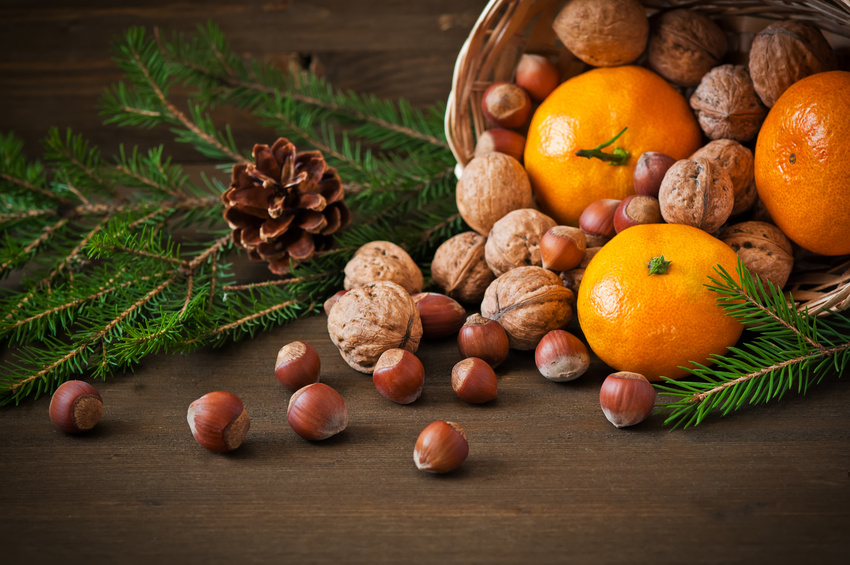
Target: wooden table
548,479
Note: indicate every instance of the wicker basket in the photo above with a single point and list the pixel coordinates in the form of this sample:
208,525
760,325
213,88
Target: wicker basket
507,28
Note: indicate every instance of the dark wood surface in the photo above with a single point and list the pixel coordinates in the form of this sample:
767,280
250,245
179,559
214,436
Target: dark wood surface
548,479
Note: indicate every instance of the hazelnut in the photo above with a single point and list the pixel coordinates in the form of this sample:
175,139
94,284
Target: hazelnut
483,338
441,447
369,320
502,141
626,398
441,316
764,250
598,218
506,105
514,240
75,407
635,210
491,186
383,261
737,160
726,104
459,268
297,365
218,421
474,381
329,303
528,302
562,248
785,52
603,33
697,193
537,75
399,376
317,412
649,172
684,45
572,278
560,356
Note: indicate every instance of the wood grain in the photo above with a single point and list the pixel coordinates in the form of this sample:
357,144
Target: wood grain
57,58
548,479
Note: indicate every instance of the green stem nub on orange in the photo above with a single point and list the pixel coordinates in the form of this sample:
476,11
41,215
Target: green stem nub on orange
619,157
658,265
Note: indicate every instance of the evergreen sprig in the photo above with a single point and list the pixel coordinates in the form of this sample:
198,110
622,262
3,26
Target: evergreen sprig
789,351
107,277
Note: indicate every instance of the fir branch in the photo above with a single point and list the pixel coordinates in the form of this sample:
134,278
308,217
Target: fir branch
146,102
207,61
790,350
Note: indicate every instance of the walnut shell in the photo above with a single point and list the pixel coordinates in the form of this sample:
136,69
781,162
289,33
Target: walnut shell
603,33
785,52
738,162
763,248
459,268
491,186
726,104
528,302
697,193
514,240
684,45
371,319
383,261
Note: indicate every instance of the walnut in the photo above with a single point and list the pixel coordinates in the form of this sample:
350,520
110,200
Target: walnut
603,33
726,104
514,240
572,278
785,52
491,186
528,302
763,248
383,261
371,319
684,45
459,268
738,162
696,193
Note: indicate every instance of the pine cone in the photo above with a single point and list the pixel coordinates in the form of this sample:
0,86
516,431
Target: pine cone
285,206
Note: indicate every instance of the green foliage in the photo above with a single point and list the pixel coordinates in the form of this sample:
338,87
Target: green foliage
790,351
107,272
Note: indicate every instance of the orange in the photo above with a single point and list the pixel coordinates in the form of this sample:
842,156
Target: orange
801,163
654,323
590,109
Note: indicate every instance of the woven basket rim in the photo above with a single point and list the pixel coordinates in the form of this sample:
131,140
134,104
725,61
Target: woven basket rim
497,33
